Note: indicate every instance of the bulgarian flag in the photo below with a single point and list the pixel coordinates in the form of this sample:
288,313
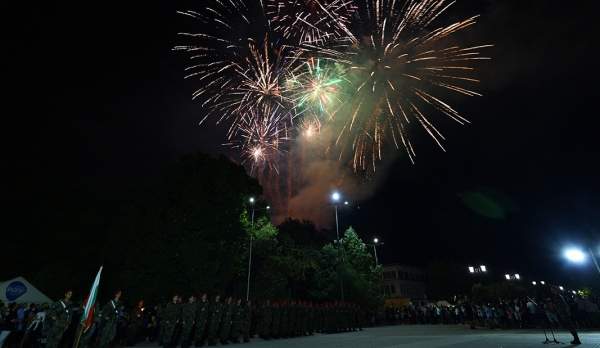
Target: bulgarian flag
88,312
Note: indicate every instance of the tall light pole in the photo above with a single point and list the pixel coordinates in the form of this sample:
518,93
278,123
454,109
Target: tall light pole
335,198
251,200
376,243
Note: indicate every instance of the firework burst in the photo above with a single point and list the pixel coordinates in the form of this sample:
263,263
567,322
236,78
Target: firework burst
397,64
234,62
315,86
310,20
366,71
261,138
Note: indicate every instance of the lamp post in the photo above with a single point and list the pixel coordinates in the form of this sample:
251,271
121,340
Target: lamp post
251,200
477,270
335,198
576,255
515,276
376,243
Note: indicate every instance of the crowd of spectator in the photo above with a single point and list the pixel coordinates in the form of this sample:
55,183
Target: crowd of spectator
517,313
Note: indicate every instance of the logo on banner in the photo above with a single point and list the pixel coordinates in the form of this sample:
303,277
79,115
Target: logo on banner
15,290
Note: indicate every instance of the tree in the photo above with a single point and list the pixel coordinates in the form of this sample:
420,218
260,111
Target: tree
352,262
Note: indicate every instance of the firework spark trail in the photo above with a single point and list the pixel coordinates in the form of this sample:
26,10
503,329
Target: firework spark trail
397,65
310,20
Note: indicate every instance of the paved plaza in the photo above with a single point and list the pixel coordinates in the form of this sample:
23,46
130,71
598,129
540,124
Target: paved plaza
426,336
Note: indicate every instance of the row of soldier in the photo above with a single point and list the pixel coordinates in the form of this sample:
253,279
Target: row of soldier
231,321
201,321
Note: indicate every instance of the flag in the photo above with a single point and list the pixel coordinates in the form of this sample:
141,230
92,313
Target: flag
88,312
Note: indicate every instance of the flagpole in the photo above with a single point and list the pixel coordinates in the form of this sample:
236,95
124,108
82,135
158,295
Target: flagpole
78,336
88,308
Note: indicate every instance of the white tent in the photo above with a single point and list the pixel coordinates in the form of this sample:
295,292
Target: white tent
19,290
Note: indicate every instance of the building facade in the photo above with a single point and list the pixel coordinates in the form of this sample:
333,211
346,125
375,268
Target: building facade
402,281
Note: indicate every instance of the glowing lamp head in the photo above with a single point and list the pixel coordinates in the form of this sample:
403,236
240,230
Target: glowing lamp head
575,255
471,269
335,196
251,200
268,207
542,282
517,276
561,288
534,283
507,276
346,203
483,268
375,240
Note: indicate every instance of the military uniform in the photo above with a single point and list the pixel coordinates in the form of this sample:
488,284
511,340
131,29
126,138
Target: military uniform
225,329
245,319
216,314
283,320
109,317
60,315
171,315
202,312
276,322
265,321
188,315
136,324
236,323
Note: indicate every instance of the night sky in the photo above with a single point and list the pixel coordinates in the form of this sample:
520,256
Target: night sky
95,98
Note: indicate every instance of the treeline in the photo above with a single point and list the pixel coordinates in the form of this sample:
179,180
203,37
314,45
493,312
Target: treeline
186,231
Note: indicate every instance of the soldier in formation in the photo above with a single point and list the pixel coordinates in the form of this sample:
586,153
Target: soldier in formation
109,317
171,314
202,313
59,319
188,320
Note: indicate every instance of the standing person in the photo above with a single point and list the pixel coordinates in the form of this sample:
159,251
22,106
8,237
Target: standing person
246,317
216,314
266,320
275,323
188,318
109,316
137,320
60,318
226,321
169,321
202,313
236,322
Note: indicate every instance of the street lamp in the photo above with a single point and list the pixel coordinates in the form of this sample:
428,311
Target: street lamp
515,276
335,199
251,200
375,244
577,255
480,269
534,283
574,255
